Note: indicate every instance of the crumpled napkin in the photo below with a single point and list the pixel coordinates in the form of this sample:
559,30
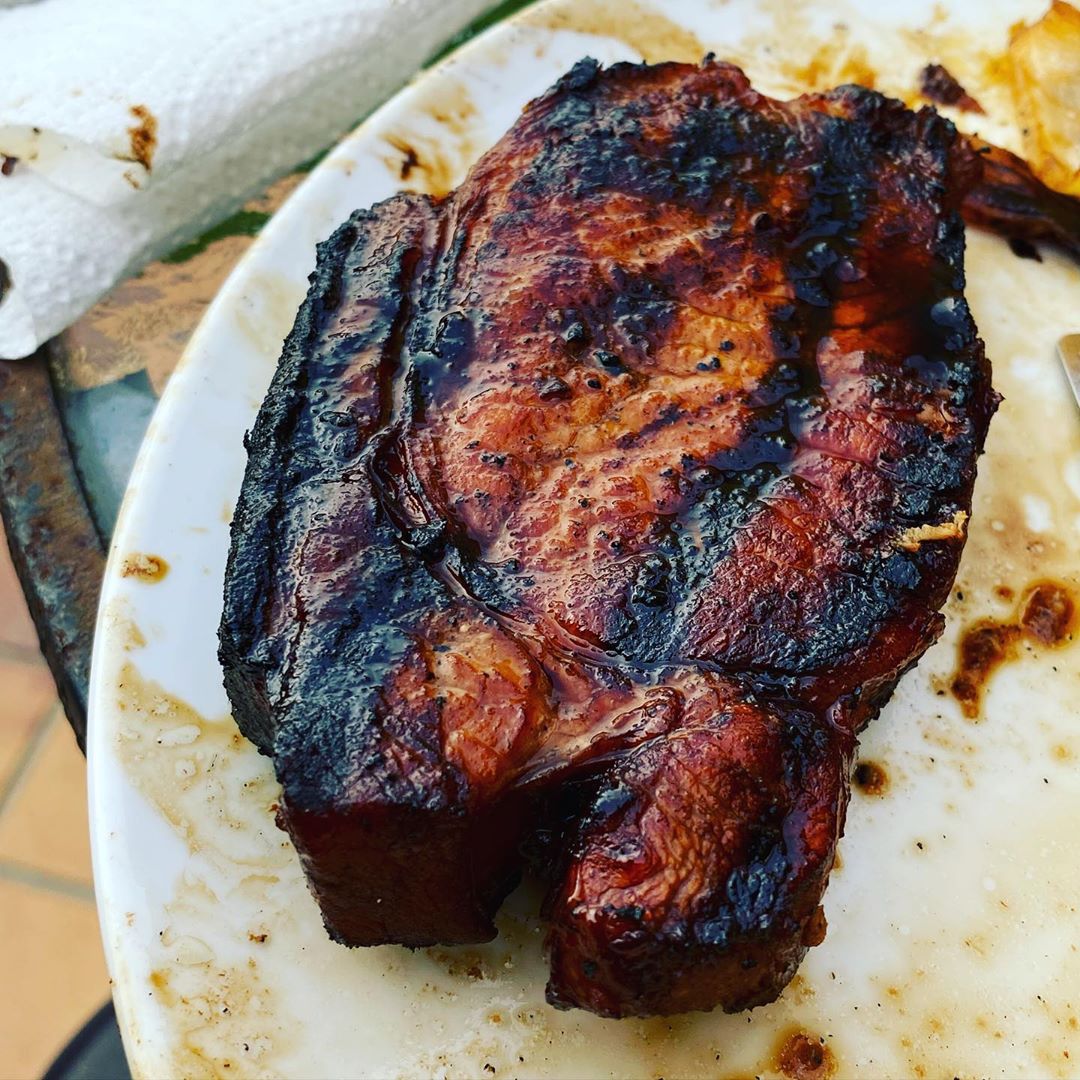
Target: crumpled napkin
127,127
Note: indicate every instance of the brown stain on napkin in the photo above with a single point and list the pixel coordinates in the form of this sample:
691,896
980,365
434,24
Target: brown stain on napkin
143,136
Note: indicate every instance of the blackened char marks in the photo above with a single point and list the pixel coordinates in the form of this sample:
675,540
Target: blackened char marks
937,83
582,505
324,400
321,641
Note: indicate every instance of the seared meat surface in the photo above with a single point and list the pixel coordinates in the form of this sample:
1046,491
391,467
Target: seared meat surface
1010,200
615,490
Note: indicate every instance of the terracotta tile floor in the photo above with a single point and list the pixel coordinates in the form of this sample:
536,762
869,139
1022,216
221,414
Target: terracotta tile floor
52,972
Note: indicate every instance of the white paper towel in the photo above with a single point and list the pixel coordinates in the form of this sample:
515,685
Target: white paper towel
139,123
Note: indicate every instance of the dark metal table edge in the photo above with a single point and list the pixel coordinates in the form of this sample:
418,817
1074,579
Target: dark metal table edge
58,553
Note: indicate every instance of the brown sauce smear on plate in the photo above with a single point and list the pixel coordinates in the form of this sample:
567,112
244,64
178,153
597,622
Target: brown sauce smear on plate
1048,614
870,778
147,568
433,161
805,1057
639,26
1045,617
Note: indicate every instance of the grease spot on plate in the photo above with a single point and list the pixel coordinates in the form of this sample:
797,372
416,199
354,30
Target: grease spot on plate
983,648
871,778
431,154
1046,616
145,568
267,310
198,772
803,1056
221,1025
214,792
642,28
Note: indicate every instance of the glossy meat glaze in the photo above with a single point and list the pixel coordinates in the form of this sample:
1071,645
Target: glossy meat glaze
593,511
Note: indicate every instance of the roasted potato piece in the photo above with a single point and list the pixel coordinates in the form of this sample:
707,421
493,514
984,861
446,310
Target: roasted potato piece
1044,66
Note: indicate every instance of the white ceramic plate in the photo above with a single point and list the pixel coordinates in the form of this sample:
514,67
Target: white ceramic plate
953,938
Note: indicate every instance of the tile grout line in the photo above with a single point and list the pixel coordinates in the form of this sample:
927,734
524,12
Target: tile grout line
42,726
21,874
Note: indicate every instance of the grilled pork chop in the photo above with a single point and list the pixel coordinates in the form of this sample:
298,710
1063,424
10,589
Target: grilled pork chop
609,497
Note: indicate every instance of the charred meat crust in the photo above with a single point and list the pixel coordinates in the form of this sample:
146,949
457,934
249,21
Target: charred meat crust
1009,199
321,647
747,800
937,83
588,486
290,448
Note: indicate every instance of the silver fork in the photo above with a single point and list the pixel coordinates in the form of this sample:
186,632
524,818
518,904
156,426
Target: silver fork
1069,354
